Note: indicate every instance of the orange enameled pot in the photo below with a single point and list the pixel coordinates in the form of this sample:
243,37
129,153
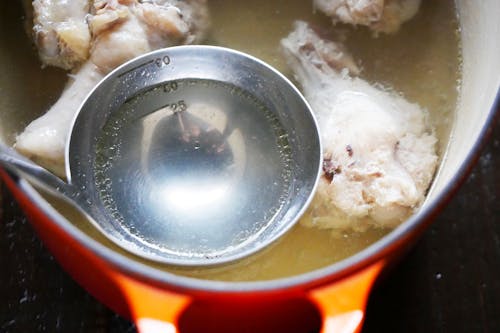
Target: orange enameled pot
156,303
333,297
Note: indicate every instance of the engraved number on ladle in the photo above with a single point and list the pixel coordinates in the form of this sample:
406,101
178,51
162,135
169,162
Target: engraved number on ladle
163,61
170,86
159,62
178,106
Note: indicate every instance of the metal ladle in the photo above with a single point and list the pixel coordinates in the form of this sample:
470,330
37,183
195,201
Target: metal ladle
191,155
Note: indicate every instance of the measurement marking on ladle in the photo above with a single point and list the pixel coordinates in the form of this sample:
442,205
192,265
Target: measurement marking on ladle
170,108
160,62
170,87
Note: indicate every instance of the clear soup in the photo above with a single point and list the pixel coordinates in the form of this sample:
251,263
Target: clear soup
421,61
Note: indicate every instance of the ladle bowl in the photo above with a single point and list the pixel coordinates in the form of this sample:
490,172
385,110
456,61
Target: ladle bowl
191,155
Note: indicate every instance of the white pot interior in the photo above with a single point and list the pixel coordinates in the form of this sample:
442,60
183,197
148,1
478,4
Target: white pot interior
480,83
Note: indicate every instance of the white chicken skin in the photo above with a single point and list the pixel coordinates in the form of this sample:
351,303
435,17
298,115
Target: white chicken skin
379,153
379,15
61,33
118,30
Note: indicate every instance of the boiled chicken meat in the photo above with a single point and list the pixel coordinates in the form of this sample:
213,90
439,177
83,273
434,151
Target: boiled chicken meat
60,32
379,152
92,38
379,15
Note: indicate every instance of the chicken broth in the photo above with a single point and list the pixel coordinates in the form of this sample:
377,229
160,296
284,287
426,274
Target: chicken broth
425,70
191,146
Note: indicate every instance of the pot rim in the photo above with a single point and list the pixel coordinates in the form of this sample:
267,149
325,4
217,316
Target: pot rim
379,250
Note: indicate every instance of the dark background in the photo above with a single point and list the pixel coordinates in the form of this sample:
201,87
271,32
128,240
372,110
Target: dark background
450,282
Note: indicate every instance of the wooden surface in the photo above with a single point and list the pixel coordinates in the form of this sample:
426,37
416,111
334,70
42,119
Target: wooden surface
450,282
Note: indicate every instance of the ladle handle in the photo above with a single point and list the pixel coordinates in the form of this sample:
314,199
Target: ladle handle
14,162
342,304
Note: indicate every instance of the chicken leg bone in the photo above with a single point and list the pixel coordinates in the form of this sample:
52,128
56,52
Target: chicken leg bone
120,30
379,152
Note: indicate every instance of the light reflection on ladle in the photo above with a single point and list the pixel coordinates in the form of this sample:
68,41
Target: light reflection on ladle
200,130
